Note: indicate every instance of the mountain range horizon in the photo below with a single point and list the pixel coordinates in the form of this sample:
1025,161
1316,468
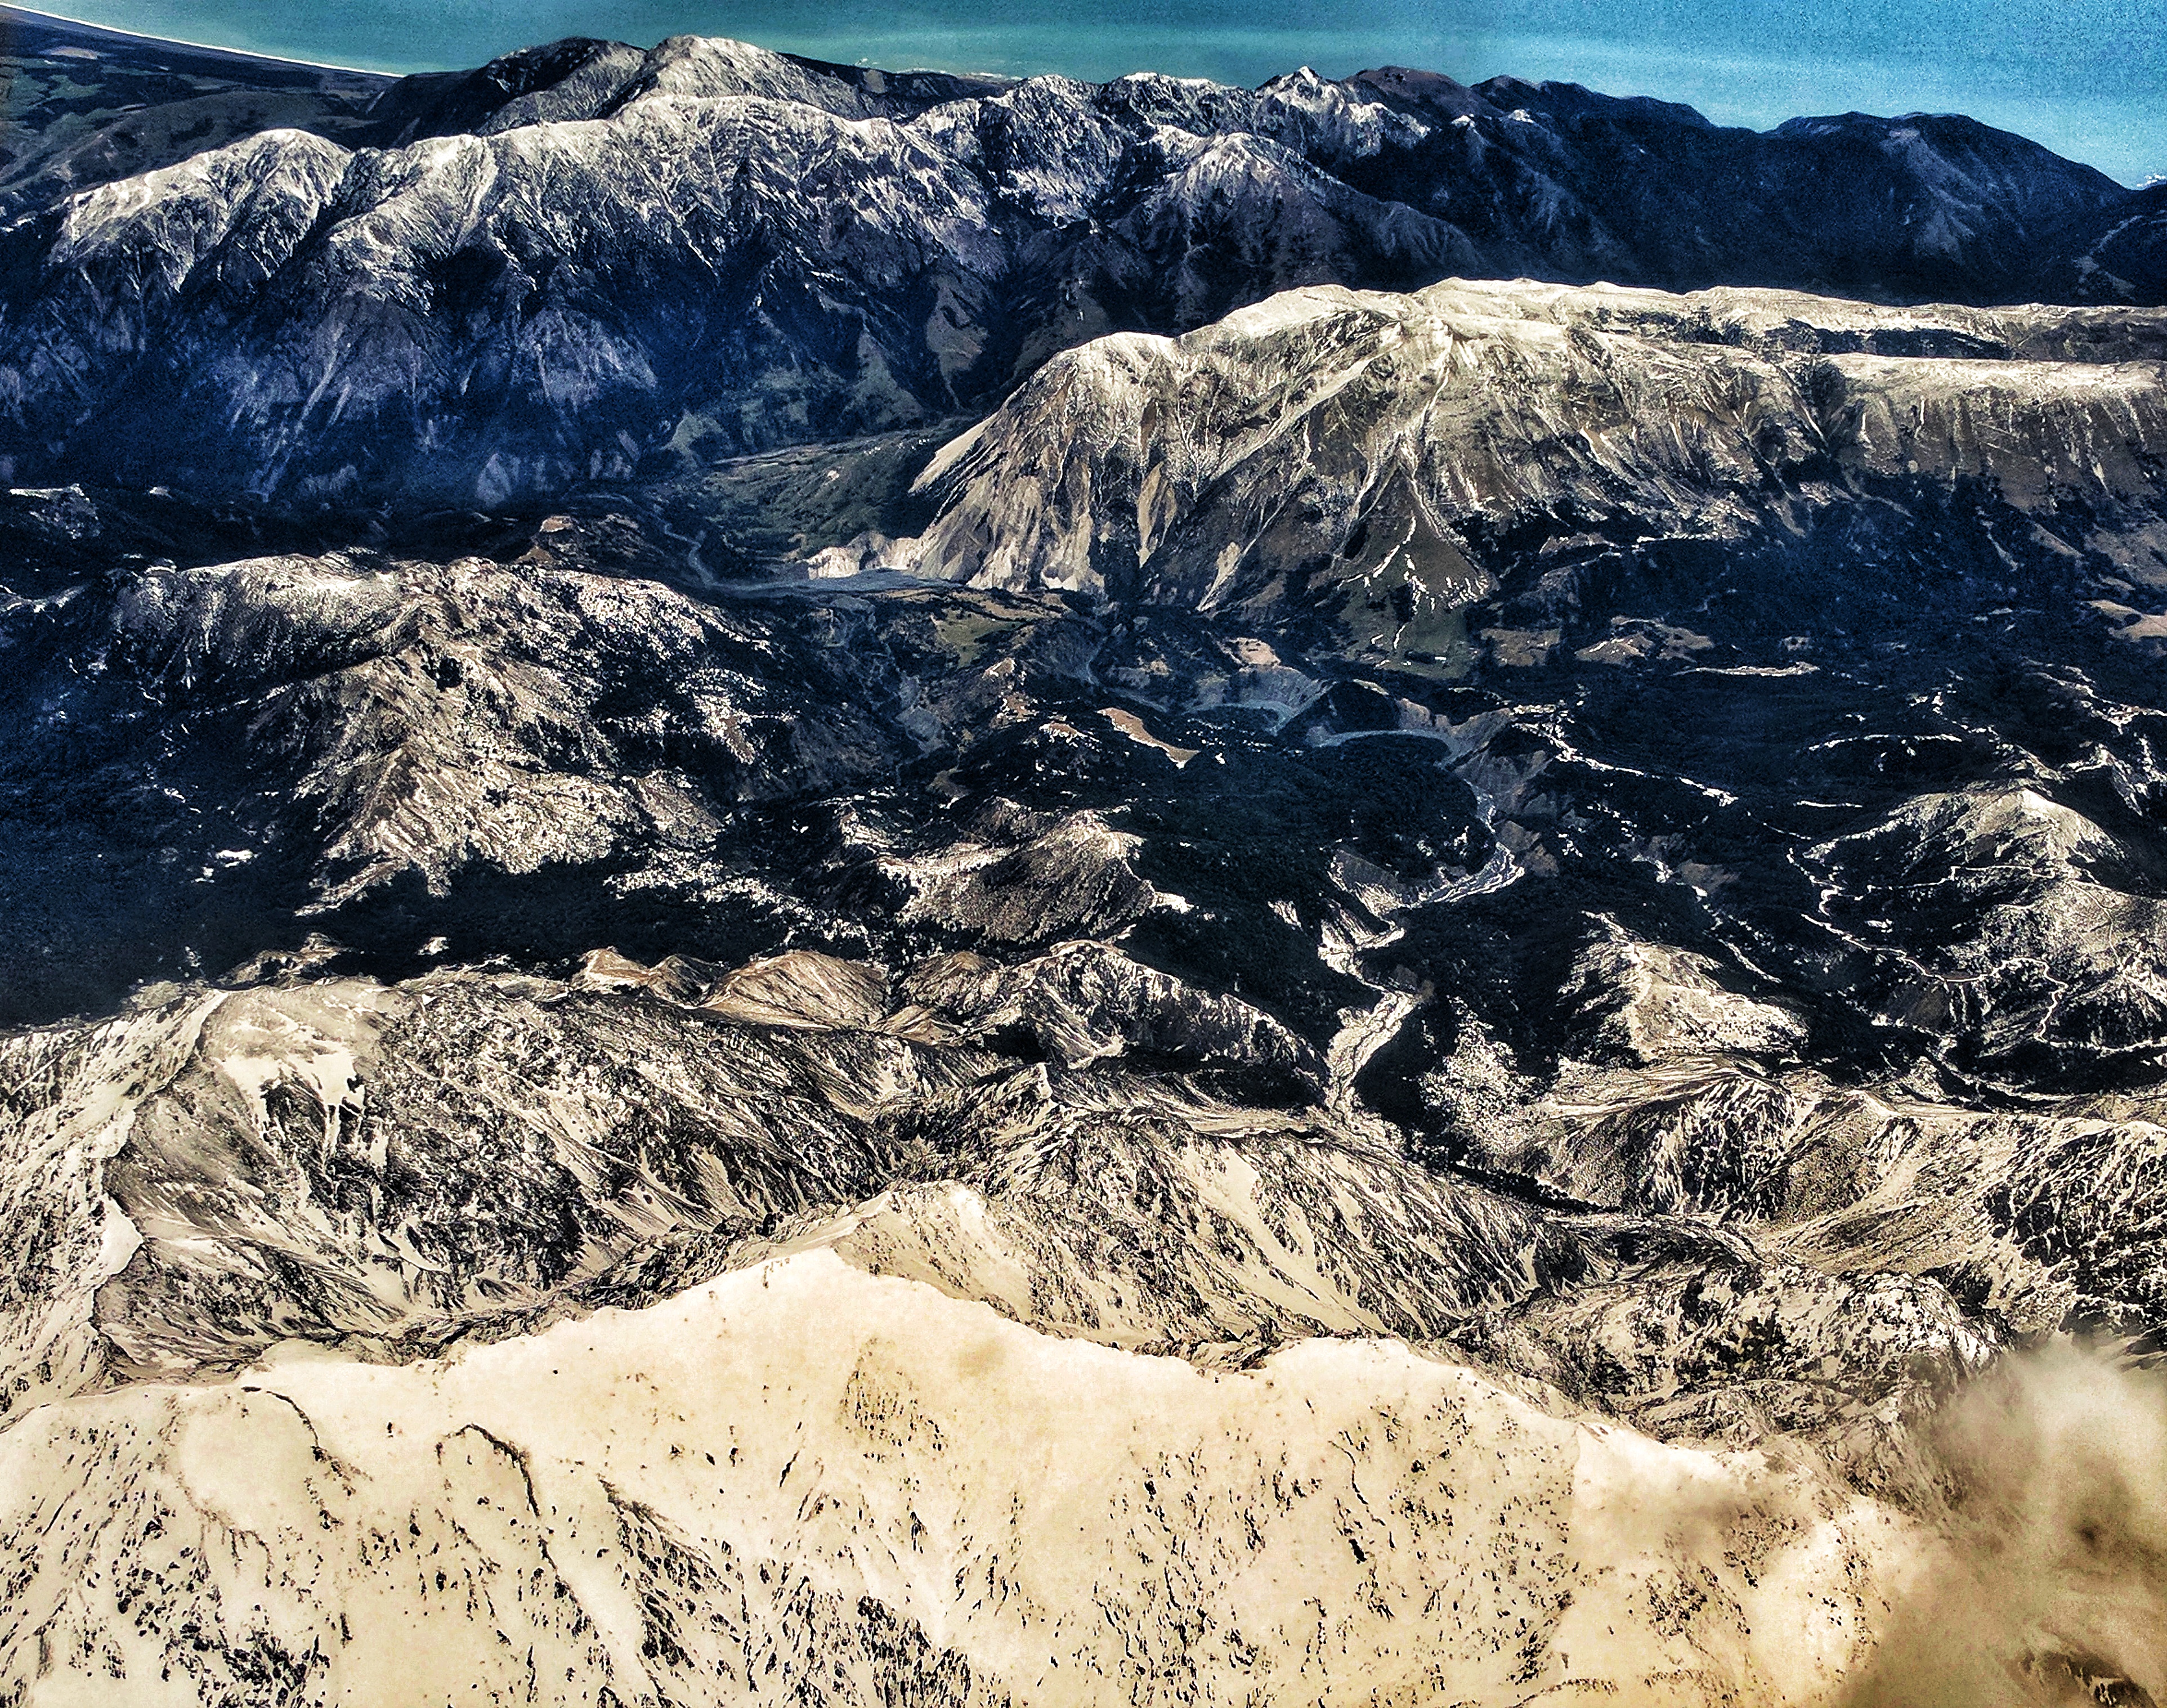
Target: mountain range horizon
919,889
801,275
2080,110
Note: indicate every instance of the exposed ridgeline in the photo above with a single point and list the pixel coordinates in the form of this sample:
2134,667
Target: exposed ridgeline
644,1131
486,285
1329,440
81,106
1406,996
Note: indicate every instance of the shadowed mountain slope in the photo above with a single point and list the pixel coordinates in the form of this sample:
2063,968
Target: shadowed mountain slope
586,256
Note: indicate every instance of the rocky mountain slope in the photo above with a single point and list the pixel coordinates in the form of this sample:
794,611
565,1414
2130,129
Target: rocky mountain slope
815,1481
587,256
1612,838
85,106
2119,255
1447,996
1381,442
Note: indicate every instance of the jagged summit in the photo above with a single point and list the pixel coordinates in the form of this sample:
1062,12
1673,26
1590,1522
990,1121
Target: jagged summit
493,284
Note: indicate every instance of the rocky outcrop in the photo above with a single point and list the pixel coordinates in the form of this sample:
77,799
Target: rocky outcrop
1380,448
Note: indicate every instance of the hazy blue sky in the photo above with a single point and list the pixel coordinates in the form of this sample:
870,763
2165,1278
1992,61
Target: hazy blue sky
2087,77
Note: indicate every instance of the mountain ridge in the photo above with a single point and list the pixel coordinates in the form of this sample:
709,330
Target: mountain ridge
823,886
469,292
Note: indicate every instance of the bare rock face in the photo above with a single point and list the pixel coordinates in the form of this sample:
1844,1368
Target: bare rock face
493,285
1377,445
803,987
1442,994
